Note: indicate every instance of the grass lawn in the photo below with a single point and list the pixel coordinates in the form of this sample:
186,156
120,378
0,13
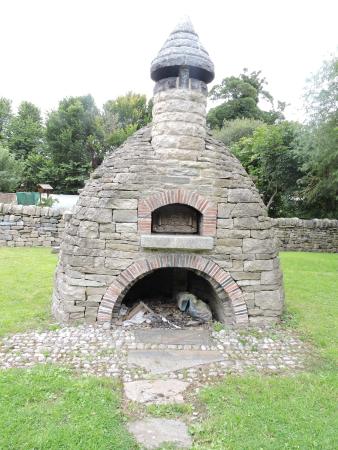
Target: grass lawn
49,408
311,286
26,283
270,412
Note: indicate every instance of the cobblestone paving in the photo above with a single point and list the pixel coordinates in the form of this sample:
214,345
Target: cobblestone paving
94,350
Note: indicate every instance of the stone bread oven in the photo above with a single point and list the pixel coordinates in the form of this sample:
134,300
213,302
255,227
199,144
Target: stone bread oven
170,209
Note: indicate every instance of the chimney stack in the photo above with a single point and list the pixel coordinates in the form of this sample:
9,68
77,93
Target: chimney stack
181,70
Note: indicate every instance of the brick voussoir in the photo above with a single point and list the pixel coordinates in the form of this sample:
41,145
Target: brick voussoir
109,299
222,276
213,271
229,288
105,310
108,303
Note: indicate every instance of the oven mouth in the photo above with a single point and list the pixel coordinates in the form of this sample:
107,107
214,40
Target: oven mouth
159,291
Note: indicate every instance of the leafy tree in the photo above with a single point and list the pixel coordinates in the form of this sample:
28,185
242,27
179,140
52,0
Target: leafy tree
270,156
5,116
38,168
234,130
10,171
123,116
319,185
68,177
320,182
74,132
241,96
322,93
25,131
130,109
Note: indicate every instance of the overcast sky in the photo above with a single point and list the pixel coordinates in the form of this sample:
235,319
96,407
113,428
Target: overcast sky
51,49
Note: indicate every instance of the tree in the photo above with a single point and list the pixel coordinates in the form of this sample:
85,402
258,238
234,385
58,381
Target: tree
68,177
241,96
234,130
75,143
25,131
38,168
270,156
10,171
74,132
322,92
125,115
320,181
5,116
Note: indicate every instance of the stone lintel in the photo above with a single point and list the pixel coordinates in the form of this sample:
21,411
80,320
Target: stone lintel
177,241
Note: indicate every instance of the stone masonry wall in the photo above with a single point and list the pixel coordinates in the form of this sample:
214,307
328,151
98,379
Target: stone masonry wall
36,226
315,235
30,226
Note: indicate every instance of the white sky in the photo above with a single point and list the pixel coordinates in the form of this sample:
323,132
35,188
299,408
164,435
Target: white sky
51,49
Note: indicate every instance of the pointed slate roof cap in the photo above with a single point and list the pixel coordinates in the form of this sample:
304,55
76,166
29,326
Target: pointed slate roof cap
183,48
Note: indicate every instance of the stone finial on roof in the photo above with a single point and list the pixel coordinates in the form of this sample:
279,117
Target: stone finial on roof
183,48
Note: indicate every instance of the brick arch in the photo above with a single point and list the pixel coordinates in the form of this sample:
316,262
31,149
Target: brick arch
222,281
191,198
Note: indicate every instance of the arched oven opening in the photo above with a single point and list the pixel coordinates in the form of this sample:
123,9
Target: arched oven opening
159,291
176,218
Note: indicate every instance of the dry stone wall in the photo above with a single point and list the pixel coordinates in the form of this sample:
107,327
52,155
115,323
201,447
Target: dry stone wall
30,226
315,235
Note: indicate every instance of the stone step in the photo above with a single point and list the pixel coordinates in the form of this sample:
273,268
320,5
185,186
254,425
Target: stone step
152,433
155,391
195,336
164,361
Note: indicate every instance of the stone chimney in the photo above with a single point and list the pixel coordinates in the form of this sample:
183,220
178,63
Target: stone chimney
181,70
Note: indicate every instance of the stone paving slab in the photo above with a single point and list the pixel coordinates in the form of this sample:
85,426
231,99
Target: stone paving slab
195,336
155,391
152,433
162,361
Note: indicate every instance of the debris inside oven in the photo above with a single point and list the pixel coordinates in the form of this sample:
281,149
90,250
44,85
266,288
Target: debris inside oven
186,311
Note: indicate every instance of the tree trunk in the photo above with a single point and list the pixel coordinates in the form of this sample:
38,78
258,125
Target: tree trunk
271,199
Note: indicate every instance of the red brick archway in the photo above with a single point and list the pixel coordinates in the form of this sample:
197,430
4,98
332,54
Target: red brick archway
182,196
223,283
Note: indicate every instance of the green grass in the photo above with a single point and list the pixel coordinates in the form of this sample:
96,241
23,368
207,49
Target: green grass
26,283
170,410
265,412
311,287
48,408
256,412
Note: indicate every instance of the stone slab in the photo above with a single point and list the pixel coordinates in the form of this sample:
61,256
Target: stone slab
176,241
155,391
152,433
177,337
163,361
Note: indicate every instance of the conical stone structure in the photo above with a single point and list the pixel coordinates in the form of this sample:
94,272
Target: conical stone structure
183,49
171,209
